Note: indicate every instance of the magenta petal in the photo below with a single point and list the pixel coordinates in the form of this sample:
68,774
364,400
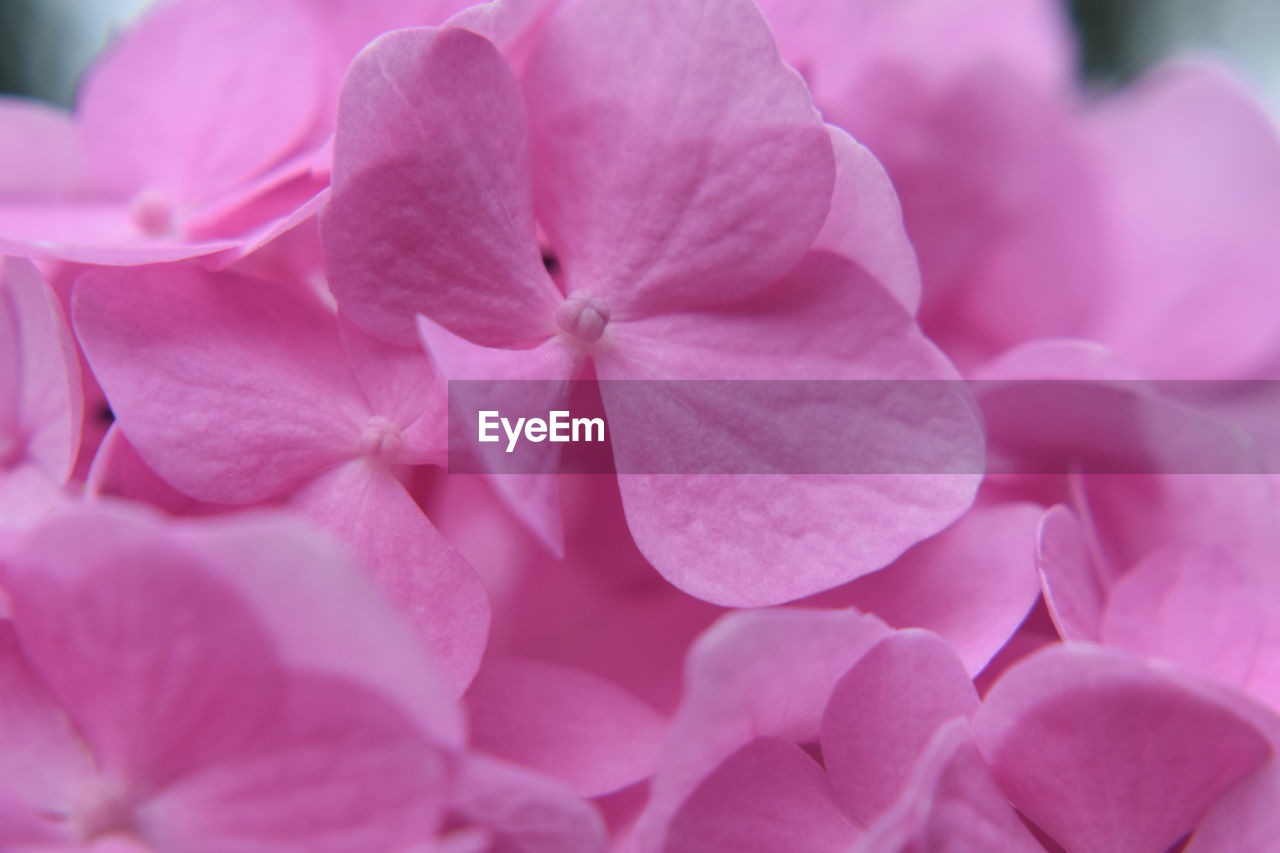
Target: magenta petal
180,355
49,400
884,711
950,803
865,223
766,797
201,96
1110,755
677,161
973,583
571,725
1245,819
1073,591
762,673
424,577
759,539
1191,606
525,811
431,210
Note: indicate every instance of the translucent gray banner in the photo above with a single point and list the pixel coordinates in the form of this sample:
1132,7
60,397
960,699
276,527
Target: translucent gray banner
876,426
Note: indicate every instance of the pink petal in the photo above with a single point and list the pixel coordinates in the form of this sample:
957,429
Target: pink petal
677,161
768,796
601,609
367,509
163,668
865,222
761,539
525,811
27,492
431,209
50,400
1107,754
882,714
270,557
1245,819
1191,606
1073,590
573,726
973,583
93,232
847,50
119,472
40,150
1193,167
42,760
201,96
221,417
950,803
332,769
762,673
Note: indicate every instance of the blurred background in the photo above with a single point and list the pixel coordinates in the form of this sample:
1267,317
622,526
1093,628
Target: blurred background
46,44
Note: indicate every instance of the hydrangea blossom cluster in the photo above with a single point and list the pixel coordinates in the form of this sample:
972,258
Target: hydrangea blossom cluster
246,607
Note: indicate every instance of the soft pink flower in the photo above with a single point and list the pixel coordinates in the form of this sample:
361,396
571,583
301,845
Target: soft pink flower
222,685
238,391
680,188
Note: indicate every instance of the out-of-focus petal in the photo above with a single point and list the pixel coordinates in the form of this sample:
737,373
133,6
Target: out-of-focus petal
50,399
951,802
1189,605
1074,593
883,713
768,796
571,725
40,150
200,96
526,811
762,673
1192,163
333,769
865,222
1245,819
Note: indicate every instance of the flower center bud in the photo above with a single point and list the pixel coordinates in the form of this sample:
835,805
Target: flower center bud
583,315
152,213
380,439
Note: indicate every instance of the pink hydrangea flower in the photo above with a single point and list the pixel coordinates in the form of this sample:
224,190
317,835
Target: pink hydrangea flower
238,391
681,211
185,707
